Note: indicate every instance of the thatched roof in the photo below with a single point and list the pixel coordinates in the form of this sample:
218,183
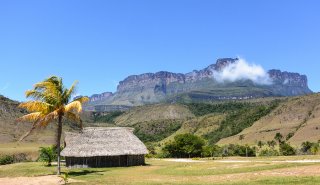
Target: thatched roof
103,141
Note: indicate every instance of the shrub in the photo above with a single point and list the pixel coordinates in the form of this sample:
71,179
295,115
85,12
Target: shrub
314,149
268,152
271,143
286,149
290,135
48,154
306,146
309,148
7,159
107,118
239,150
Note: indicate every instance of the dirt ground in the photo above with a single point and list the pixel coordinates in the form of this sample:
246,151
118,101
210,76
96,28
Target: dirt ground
42,180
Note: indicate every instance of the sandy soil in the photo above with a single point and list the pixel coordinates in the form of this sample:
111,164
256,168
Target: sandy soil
42,180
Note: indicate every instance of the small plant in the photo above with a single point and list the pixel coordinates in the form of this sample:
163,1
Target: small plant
65,178
241,137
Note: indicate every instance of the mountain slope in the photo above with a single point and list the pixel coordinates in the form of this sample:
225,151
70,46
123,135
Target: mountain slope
154,112
11,130
299,116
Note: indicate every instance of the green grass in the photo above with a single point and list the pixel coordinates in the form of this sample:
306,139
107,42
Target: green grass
159,172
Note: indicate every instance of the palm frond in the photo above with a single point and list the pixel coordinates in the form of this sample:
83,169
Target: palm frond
74,117
72,89
36,106
82,99
32,117
74,106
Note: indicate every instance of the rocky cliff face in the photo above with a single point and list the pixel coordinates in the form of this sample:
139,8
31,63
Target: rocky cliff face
164,78
101,97
154,87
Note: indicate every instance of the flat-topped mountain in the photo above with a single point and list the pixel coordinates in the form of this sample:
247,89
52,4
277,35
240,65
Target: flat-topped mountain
219,81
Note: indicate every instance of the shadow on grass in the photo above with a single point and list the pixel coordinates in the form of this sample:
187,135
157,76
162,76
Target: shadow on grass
85,172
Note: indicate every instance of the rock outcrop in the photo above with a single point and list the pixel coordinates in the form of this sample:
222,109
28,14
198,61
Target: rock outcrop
155,87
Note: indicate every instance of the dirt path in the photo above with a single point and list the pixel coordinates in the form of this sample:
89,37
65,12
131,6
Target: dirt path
42,180
244,161
254,161
184,160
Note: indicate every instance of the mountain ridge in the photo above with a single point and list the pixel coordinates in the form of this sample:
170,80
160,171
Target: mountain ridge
149,88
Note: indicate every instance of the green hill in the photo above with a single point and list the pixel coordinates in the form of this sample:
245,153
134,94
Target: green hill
223,122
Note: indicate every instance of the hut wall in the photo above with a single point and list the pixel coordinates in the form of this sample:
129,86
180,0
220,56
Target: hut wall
105,161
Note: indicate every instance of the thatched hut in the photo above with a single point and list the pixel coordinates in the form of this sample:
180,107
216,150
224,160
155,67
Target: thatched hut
103,147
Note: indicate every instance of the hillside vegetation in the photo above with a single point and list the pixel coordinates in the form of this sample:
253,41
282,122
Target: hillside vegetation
230,122
297,116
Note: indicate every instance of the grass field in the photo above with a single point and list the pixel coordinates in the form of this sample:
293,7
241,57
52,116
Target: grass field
229,171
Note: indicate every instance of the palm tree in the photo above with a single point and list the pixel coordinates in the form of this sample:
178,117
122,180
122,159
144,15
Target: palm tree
51,102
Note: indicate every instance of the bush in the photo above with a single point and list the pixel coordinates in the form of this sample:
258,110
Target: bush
239,150
48,154
184,145
286,149
268,152
7,159
309,148
107,118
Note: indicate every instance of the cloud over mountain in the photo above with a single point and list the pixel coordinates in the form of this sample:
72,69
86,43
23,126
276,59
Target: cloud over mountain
242,70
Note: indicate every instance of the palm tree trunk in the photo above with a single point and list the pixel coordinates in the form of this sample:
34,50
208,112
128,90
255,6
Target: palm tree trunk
58,143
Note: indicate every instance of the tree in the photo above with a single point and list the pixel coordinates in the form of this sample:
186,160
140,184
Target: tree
314,149
290,135
260,144
278,137
184,145
271,144
212,151
286,149
306,146
51,102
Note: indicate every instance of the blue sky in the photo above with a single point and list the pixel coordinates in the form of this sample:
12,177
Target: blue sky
101,42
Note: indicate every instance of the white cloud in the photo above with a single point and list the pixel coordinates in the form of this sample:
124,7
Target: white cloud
242,70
